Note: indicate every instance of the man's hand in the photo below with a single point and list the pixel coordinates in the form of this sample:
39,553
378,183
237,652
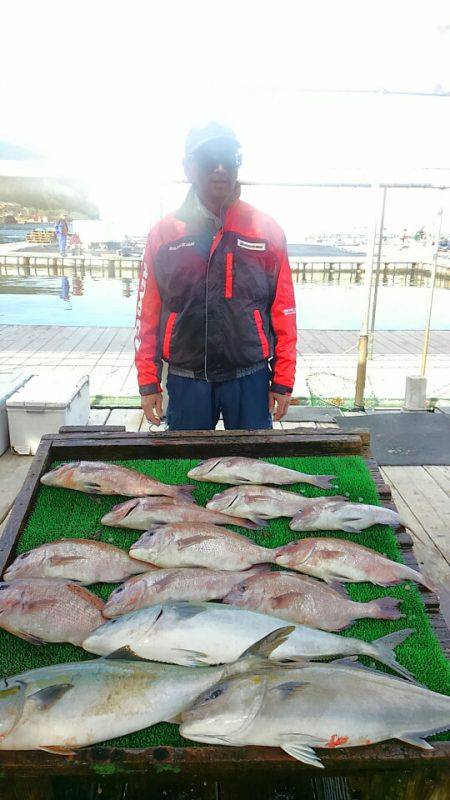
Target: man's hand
152,407
281,401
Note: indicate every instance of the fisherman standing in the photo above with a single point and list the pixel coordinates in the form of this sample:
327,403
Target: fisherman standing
62,229
216,301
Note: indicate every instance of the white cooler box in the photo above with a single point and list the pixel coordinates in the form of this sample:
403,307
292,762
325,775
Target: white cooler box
42,406
9,383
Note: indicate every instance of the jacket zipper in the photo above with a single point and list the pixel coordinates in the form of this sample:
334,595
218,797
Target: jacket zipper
213,248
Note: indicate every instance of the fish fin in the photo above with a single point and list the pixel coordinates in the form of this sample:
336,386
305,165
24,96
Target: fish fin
337,587
324,481
284,600
163,583
393,640
265,646
55,561
252,523
185,610
417,741
384,608
92,488
289,688
35,605
196,539
349,528
27,637
46,698
11,697
347,661
185,491
193,658
58,751
383,651
124,654
85,594
296,747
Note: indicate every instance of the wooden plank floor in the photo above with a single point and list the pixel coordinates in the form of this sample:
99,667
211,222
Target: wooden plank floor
326,359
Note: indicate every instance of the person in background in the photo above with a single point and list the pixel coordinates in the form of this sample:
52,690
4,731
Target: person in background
62,229
75,244
216,301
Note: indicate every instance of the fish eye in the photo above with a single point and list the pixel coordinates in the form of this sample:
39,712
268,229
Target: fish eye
4,586
243,588
216,693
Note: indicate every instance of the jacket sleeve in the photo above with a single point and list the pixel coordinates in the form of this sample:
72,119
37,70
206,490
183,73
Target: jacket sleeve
146,338
284,326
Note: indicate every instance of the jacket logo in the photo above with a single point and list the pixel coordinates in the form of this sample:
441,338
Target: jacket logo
251,245
181,244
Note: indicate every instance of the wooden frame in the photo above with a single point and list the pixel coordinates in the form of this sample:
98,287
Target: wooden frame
207,762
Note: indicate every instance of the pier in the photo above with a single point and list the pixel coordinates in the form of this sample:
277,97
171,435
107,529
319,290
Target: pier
329,269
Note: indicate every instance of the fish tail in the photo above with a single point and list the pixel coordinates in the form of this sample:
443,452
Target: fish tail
252,525
383,650
384,608
324,481
184,492
415,575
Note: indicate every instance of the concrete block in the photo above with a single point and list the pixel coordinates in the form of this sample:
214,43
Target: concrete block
415,393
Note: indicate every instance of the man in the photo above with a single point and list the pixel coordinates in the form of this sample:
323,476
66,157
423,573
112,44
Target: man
216,302
62,229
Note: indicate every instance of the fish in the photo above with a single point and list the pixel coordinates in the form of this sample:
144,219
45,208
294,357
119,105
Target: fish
44,610
165,585
239,470
197,545
66,706
333,515
97,477
316,706
82,560
219,634
259,503
295,597
141,513
341,560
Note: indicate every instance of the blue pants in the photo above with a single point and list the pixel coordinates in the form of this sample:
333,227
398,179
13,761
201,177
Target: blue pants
197,405
62,241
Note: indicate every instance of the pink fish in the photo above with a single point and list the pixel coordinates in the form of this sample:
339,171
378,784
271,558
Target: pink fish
307,601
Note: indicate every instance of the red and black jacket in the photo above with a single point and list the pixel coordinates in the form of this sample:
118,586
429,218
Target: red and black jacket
215,307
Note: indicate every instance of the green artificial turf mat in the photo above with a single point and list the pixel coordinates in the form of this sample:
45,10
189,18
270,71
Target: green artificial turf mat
64,513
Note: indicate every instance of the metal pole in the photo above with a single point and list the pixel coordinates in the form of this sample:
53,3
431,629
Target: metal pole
364,332
426,336
377,274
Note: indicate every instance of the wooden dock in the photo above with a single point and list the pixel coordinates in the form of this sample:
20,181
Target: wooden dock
326,360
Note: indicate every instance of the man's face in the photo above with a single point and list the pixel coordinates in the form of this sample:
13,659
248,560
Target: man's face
213,170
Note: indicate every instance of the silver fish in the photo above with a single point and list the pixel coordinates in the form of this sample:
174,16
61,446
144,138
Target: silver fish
67,706
308,601
333,515
196,545
219,633
260,503
236,470
41,610
97,477
316,706
141,513
82,560
171,585
341,560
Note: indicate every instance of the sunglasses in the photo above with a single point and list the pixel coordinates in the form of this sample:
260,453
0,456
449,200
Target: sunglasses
208,160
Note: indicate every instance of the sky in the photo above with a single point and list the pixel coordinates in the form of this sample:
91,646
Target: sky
106,92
